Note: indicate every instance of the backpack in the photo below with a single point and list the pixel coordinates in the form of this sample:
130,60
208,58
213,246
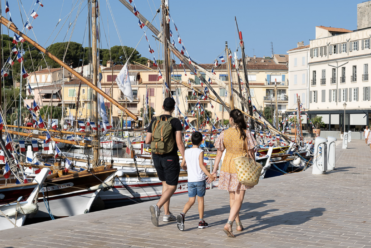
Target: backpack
162,136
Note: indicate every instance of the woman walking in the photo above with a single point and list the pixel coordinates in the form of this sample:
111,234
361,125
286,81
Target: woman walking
238,142
368,139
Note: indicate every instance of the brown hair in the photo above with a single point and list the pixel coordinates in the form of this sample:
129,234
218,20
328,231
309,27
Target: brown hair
239,120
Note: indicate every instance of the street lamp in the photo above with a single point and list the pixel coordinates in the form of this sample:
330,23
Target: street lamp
344,105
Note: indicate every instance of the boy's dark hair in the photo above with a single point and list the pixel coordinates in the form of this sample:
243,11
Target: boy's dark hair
196,138
169,104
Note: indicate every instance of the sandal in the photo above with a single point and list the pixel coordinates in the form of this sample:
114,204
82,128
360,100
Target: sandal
228,231
240,225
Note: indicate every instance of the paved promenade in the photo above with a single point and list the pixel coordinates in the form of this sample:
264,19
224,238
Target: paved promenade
297,210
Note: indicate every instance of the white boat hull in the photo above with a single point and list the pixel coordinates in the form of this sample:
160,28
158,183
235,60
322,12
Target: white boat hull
7,224
111,144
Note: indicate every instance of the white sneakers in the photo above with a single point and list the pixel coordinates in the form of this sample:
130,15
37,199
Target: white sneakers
169,217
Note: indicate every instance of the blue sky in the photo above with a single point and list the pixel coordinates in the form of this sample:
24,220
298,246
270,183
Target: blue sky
204,25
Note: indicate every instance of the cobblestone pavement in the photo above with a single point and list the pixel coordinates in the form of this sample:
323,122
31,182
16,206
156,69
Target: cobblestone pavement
296,210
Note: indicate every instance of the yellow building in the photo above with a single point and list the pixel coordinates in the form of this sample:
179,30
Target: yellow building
262,73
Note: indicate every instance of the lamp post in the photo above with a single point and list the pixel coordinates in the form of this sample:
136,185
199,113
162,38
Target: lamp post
344,105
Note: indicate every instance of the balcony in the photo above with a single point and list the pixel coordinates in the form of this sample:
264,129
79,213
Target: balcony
280,98
353,78
333,80
124,99
365,77
342,79
314,81
323,81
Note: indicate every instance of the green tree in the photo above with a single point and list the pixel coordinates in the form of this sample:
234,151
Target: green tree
118,55
268,112
146,121
53,112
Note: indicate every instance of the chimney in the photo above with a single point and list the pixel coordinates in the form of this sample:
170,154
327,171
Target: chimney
300,44
149,62
109,63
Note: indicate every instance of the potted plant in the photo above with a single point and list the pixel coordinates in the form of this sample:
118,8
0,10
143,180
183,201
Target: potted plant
317,123
293,120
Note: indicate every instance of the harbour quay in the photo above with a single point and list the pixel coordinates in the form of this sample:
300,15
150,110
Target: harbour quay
294,210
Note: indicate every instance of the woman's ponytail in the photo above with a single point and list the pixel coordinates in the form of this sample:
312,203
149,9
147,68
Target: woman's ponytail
239,120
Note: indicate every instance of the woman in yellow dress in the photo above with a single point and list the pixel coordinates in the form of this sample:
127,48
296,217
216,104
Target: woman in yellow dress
234,141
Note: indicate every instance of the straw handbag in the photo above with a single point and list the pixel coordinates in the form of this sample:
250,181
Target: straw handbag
248,171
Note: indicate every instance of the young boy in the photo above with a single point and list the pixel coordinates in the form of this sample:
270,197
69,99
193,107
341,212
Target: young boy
193,162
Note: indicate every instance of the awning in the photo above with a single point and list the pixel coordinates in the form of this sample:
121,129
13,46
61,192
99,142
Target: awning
48,91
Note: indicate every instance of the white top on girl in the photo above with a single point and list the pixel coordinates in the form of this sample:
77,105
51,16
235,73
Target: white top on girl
195,174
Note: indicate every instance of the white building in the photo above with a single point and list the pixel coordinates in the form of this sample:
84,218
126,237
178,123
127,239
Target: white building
298,76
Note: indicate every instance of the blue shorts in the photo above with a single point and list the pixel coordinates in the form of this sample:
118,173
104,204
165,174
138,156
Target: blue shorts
196,188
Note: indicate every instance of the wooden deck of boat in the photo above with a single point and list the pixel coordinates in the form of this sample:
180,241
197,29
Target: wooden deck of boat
297,210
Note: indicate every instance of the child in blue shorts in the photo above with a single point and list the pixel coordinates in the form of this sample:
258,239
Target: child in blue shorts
193,162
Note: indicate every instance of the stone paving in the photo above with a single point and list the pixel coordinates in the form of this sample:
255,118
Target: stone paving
296,210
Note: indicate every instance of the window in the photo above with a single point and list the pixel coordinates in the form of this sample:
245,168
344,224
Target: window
71,92
333,79
153,77
223,77
151,92
323,73
367,43
303,61
295,61
355,94
335,49
303,78
135,94
355,45
365,69
315,96
354,73
107,91
343,95
314,77
334,95
344,47
366,93
176,77
72,106
295,79
83,91
198,80
223,92
251,77
315,52
342,78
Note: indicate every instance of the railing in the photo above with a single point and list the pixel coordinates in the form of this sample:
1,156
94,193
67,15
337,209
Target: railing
342,79
122,98
365,77
353,78
333,80
314,82
279,98
323,81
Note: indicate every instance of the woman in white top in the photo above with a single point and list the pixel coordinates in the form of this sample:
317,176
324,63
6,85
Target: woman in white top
365,133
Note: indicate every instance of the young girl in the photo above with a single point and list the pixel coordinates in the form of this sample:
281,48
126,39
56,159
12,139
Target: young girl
193,162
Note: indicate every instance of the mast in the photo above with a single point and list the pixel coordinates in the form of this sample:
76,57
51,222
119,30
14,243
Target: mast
242,45
95,80
1,66
229,65
166,35
238,78
110,120
20,93
275,92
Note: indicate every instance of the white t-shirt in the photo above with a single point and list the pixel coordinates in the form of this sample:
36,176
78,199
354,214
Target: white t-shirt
195,174
366,132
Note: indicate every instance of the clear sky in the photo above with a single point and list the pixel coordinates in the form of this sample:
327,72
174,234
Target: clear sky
204,25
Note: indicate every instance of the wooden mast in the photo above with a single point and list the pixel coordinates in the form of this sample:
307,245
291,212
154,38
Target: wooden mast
229,65
166,35
95,82
275,92
12,27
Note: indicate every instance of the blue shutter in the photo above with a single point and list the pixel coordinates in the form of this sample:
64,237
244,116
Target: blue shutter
269,79
283,78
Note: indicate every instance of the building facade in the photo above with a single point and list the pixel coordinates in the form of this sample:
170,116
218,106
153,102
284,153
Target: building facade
339,64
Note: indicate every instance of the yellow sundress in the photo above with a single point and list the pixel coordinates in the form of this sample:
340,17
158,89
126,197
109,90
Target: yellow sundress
230,140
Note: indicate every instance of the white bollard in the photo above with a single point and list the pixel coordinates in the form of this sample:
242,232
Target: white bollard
349,136
345,140
320,156
331,148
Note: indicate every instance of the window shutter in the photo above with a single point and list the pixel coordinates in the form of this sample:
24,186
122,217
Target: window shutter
364,93
340,47
357,93
310,96
268,79
346,95
337,48
329,96
336,95
369,44
321,51
339,97
368,93
311,52
323,95
357,44
331,49
351,46
345,44
324,50
283,78
363,44
350,95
